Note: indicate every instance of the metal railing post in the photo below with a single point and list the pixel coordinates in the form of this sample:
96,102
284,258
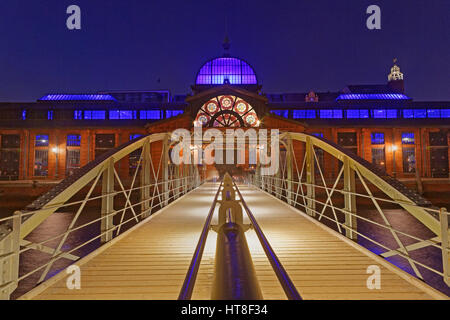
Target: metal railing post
289,170
310,178
107,223
145,180
9,256
445,244
165,172
350,201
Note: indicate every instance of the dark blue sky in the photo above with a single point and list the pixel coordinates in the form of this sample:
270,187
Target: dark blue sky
294,46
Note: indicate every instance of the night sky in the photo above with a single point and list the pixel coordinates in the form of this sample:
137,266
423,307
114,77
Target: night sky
294,46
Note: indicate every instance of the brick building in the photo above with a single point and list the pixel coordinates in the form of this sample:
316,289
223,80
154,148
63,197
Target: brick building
50,138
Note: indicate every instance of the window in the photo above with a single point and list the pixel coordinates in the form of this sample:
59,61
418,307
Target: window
384,113
41,140
173,113
103,143
150,114
409,160
24,114
122,115
408,138
317,134
50,115
281,113
135,136
378,157
78,115
438,139
445,113
72,161
331,114
356,114
414,113
347,139
434,113
73,140
9,157
41,156
377,138
94,115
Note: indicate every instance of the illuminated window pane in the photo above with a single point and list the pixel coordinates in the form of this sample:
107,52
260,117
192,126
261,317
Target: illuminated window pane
150,114
391,113
299,114
122,114
95,115
377,138
434,113
50,115
281,113
232,70
73,140
135,136
326,114
408,113
310,114
420,113
41,140
445,113
379,113
408,138
317,134
353,114
78,114
173,113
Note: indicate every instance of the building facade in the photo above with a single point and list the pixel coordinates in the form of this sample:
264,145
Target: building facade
51,138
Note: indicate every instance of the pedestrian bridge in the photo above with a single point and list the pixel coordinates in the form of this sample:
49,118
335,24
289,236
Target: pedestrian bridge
157,236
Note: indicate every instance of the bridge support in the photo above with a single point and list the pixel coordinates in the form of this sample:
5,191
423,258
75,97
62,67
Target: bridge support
146,180
350,201
107,223
165,172
289,195
9,256
310,178
445,243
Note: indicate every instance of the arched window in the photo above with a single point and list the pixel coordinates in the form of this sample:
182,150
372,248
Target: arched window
226,111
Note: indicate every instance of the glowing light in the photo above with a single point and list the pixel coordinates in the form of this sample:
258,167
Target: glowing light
373,96
77,97
226,70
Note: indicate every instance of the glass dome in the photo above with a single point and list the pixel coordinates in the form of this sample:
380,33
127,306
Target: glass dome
226,70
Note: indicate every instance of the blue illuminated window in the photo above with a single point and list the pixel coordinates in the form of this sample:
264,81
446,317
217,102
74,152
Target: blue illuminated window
41,140
73,140
50,114
377,138
122,115
24,114
281,113
150,114
391,113
173,113
226,69
445,113
78,115
299,114
355,114
408,138
331,114
135,136
94,115
379,113
317,134
434,113
414,113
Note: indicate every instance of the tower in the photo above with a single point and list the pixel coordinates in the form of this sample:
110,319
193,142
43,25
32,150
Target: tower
395,79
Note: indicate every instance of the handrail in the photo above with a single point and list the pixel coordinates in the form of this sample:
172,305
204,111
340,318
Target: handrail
191,275
286,283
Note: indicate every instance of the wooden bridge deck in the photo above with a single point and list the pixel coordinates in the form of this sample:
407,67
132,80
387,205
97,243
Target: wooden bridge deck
150,261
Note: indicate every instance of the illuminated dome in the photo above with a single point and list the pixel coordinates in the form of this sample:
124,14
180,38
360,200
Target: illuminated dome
226,70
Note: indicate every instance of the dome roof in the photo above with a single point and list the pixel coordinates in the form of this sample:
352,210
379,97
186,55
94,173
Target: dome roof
226,70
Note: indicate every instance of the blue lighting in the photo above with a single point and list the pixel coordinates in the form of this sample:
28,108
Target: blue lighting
122,115
377,138
414,113
373,96
41,140
24,114
280,113
50,115
408,138
73,140
304,114
135,136
445,113
383,113
173,113
356,114
331,114
77,97
434,113
94,114
226,69
150,114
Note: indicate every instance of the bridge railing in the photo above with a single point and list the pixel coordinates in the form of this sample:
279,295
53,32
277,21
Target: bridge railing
88,210
363,203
